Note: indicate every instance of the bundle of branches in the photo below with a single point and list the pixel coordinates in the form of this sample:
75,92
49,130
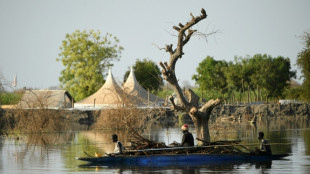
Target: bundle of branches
223,147
138,142
220,149
227,142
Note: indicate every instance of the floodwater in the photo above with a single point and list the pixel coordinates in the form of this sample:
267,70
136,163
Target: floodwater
56,152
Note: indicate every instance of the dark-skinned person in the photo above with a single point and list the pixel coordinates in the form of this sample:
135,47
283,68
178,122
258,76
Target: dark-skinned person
264,148
187,139
118,149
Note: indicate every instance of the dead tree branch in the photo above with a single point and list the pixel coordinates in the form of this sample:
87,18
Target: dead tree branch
168,69
188,100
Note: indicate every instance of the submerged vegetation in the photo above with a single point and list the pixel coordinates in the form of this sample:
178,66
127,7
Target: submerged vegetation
138,119
41,119
31,121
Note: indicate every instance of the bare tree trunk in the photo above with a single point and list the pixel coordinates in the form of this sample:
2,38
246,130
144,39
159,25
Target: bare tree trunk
190,103
257,94
240,97
248,95
202,128
202,100
201,119
243,91
232,99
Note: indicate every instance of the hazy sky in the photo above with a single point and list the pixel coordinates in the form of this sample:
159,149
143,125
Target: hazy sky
31,32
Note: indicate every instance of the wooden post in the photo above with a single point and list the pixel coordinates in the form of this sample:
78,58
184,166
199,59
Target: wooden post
257,94
148,97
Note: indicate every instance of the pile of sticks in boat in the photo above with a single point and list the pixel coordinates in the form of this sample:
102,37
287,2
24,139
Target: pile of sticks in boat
141,145
138,142
230,147
214,148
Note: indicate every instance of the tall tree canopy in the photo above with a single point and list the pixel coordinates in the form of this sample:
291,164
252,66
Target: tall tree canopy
210,75
86,56
261,72
148,74
303,62
267,73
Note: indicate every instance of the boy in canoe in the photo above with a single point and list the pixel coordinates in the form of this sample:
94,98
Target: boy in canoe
264,148
188,139
118,149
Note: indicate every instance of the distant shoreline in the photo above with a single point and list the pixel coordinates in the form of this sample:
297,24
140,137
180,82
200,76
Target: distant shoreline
259,110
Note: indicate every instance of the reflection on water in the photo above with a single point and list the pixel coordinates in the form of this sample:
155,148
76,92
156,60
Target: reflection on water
55,152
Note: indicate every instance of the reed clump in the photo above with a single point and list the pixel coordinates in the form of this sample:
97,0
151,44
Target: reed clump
11,98
36,120
128,117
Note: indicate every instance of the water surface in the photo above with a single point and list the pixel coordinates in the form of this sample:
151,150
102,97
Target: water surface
55,152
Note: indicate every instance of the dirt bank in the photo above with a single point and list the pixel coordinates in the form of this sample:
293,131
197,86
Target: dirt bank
263,110
83,117
247,112
231,112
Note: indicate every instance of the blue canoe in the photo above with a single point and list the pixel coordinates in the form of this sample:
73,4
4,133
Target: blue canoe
179,159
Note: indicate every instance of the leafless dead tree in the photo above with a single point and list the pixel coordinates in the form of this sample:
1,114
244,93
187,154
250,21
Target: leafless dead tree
199,114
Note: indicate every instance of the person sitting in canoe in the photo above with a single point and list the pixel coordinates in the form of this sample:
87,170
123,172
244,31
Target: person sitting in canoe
188,139
264,148
118,146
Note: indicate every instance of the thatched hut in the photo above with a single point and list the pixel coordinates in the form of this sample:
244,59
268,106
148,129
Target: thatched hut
141,96
51,99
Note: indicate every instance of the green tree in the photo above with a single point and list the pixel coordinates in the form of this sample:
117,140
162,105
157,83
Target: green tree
271,74
86,56
148,75
282,75
234,79
264,73
293,91
210,76
303,62
240,79
247,70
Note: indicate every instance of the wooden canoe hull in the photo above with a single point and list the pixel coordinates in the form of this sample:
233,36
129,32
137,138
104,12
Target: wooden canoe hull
176,160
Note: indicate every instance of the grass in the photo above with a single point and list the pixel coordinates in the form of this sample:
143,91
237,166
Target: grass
10,98
163,93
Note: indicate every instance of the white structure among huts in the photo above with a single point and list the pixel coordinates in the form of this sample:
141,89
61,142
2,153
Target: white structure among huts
50,99
109,95
142,96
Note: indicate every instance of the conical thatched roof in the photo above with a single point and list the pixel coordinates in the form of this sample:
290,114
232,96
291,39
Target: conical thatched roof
108,95
143,97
